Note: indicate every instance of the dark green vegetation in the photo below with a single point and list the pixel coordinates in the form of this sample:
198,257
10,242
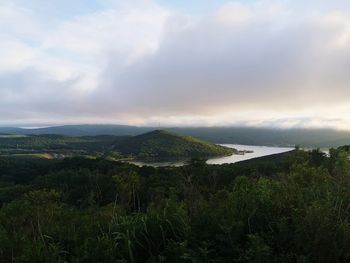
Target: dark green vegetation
165,144
59,146
239,135
156,144
292,207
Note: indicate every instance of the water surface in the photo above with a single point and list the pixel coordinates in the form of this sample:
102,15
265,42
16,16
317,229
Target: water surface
254,152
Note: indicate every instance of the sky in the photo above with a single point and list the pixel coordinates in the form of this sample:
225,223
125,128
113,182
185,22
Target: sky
273,63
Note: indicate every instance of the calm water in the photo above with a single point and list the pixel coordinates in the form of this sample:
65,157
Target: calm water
257,151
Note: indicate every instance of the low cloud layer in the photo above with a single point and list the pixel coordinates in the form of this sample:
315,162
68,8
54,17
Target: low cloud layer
269,63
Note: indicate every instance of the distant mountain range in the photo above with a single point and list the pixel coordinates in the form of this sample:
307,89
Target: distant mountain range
239,135
80,130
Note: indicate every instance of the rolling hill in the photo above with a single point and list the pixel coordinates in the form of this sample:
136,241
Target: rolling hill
155,144
164,144
239,135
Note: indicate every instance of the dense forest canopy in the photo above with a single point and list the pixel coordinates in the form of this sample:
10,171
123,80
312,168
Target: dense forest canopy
292,207
160,143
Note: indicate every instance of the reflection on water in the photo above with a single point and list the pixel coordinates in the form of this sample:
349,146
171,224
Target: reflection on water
159,164
254,152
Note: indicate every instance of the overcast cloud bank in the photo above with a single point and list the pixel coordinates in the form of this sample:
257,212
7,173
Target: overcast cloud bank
278,63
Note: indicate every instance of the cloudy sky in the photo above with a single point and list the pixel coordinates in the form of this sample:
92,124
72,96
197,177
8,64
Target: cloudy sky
201,62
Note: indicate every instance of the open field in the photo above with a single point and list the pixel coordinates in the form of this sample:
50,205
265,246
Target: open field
34,155
12,136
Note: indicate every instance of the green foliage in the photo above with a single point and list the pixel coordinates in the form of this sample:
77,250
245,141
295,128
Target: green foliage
31,145
163,144
293,207
156,144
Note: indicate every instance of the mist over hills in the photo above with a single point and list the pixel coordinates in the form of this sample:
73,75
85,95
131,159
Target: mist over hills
270,136
81,130
238,135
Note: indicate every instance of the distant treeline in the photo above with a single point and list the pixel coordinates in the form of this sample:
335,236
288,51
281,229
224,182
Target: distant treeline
239,135
292,207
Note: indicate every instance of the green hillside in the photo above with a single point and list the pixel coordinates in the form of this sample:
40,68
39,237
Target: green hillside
315,138
155,144
164,144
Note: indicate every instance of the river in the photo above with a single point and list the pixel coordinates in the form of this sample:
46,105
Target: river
253,152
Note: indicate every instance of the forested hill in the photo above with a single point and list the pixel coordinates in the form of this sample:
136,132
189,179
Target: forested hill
164,144
239,135
155,144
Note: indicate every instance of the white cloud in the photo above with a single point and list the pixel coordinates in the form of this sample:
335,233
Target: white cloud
227,68
258,63
19,21
14,55
234,13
